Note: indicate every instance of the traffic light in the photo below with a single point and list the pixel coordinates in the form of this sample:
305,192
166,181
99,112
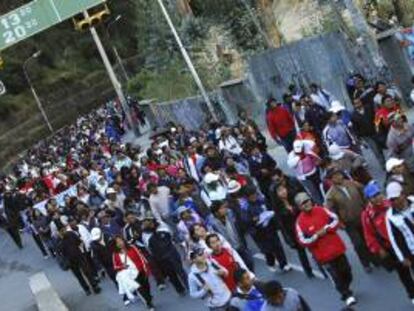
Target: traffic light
96,16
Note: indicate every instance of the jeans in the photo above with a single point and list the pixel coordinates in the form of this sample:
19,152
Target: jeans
341,274
356,235
172,267
83,272
312,185
144,290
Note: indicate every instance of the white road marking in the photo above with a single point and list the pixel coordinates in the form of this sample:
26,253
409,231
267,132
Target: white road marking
298,268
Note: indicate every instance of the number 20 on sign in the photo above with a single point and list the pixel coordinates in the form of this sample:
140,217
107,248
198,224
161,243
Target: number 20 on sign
16,25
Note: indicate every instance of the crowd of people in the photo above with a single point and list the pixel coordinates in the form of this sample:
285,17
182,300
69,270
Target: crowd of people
189,208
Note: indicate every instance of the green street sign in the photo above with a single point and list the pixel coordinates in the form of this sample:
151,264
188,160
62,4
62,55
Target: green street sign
37,16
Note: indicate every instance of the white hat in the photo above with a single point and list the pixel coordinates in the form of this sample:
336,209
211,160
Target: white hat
394,190
393,162
192,140
96,234
335,152
298,146
293,161
110,191
336,107
211,177
173,130
182,209
233,186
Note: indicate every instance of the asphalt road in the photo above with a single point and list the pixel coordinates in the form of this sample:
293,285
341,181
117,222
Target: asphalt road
377,291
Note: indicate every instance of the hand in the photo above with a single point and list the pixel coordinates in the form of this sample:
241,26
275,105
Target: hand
407,263
321,232
222,273
264,171
383,253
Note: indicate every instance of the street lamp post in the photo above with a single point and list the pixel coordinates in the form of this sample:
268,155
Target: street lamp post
188,61
114,48
36,97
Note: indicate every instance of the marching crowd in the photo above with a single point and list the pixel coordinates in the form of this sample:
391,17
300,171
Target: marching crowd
187,209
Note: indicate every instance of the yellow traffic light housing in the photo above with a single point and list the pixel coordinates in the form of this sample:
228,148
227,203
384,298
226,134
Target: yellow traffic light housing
96,16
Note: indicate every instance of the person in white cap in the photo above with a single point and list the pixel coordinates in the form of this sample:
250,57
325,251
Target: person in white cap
346,160
213,189
397,172
101,247
400,228
306,163
341,112
336,131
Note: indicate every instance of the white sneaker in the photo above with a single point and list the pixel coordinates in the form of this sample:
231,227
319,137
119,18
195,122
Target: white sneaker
272,269
127,302
161,287
287,268
350,301
412,301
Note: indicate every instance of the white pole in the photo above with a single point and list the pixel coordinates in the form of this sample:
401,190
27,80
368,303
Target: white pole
33,90
188,61
112,75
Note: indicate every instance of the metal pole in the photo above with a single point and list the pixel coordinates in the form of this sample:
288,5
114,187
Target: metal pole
36,97
121,65
188,61
111,73
115,50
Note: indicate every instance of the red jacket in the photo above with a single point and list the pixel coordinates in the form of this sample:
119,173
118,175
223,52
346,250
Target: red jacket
135,255
227,261
327,247
279,122
375,229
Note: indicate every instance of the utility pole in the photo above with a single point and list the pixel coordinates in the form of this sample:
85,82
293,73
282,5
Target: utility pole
114,48
111,73
188,61
36,97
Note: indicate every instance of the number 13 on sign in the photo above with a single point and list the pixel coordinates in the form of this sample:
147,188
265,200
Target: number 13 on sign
14,30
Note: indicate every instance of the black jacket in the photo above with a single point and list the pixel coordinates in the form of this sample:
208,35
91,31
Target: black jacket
363,124
71,248
103,253
161,246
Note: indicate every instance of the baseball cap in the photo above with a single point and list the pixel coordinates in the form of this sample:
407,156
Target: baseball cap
233,186
301,197
371,190
394,190
196,252
210,177
392,163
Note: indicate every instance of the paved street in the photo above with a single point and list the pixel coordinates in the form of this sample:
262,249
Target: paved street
377,291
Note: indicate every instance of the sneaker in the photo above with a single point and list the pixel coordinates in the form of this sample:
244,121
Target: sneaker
97,290
161,287
350,301
127,302
88,292
287,268
272,268
46,257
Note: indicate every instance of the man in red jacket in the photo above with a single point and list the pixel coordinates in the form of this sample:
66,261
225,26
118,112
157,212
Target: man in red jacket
377,239
316,230
280,124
